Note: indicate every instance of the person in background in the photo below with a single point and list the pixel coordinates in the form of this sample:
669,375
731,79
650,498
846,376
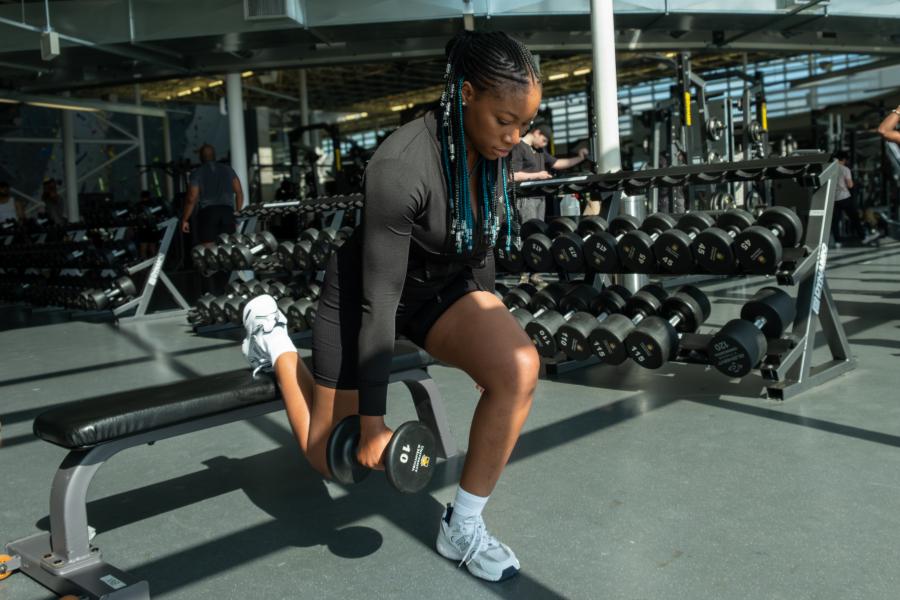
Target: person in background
53,202
146,234
844,202
217,189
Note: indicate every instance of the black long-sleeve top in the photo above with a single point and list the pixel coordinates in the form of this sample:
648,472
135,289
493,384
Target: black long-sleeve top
407,254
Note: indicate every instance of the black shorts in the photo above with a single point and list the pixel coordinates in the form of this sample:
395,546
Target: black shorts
335,342
213,220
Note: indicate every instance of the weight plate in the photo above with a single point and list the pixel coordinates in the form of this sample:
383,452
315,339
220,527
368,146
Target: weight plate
410,457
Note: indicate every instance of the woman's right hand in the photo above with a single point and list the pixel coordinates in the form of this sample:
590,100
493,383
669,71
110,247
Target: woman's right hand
374,437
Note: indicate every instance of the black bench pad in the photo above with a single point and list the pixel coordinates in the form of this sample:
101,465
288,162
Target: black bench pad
94,421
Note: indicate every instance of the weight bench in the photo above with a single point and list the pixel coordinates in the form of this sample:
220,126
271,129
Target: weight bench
95,429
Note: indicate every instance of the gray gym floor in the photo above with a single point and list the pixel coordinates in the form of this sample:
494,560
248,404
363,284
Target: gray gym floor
625,483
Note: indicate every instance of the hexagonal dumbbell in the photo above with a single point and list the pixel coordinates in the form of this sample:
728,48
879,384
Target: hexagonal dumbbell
636,247
601,250
98,299
655,340
713,248
759,248
303,248
543,328
740,345
572,336
672,248
568,247
536,249
607,340
244,255
301,312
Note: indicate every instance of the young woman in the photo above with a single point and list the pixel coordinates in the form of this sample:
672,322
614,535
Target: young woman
438,195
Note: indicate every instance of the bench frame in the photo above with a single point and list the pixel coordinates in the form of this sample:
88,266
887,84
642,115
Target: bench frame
63,559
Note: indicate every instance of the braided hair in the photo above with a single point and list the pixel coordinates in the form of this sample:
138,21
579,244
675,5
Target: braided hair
487,61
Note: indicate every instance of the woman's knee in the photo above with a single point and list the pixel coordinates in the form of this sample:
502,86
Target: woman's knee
518,374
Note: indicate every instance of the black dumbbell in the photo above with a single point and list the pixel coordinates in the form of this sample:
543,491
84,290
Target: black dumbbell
759,248
98,299
303,249
713,248
546,299
536,249
607,340
673,247
636,247
203,308
326,244
408,458
519,296
742,343
301,313
568,247
510,258
601,250
572,337
243,255
654,341
543,328
110,255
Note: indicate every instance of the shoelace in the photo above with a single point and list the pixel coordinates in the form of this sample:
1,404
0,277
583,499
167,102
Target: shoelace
481,540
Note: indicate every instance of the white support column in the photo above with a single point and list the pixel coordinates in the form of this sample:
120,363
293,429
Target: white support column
237,137
70,169
142,147
605,92
167,157
304,105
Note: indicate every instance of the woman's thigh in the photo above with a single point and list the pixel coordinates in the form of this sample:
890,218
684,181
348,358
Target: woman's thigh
478,335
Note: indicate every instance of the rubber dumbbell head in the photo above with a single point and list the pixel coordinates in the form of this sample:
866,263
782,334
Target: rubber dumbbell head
672,248
243,255
572,337
607,340
636,247
536,249
543,329
759,248
601,250
408,458
741,344
654,341
713,248
546,299
568,247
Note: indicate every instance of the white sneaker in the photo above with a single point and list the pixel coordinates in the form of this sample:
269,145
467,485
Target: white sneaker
267,334
471,544
871,237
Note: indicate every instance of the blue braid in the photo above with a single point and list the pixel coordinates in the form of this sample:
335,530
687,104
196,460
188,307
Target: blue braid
506,204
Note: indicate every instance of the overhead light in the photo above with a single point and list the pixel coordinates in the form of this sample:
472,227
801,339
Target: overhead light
63,106
581,72
400,107
556,76
247,74
168,97
8,101
184,93
195,89
353,117
215,83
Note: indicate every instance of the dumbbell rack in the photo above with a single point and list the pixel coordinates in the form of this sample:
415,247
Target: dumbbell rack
141,302
811,181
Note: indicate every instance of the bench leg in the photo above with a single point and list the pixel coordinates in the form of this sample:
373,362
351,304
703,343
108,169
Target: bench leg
63,560
430,408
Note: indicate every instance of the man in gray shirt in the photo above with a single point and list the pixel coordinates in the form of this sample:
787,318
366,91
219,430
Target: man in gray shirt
218,190
844,203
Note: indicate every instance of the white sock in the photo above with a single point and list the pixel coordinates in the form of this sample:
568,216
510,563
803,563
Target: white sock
278,342
466,505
